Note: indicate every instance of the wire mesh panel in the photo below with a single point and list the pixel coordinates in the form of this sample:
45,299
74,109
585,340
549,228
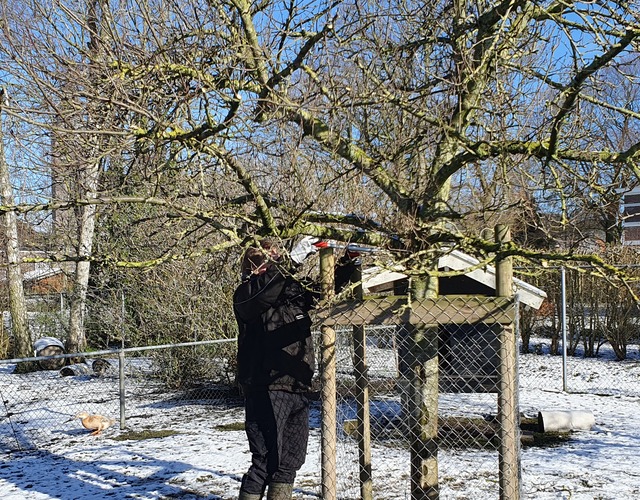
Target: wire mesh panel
584,328
39,407
161,399
421,393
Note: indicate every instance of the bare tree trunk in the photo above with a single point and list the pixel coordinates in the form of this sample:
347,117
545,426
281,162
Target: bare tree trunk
17,305
88,186
77,341
422,401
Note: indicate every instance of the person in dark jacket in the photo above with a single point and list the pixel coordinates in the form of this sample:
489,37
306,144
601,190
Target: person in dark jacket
276,363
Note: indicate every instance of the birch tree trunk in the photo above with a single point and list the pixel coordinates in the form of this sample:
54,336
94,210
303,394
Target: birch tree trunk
87,187
77,341
22,347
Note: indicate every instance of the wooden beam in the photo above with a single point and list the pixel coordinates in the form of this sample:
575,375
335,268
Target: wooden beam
396,310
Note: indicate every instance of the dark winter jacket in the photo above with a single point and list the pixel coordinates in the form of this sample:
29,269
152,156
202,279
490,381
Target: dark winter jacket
275,348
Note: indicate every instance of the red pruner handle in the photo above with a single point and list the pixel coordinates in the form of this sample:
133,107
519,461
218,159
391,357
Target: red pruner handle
321,244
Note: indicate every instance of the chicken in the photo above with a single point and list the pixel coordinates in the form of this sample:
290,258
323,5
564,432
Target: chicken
95,423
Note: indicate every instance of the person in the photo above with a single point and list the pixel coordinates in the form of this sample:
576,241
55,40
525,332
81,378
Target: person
276,363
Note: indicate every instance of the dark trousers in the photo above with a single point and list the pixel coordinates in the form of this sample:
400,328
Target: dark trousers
277,426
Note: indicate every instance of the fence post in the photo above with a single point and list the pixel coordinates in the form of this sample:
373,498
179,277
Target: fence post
328,378
563,324
421,360
121,363
121,387
508,453
362,386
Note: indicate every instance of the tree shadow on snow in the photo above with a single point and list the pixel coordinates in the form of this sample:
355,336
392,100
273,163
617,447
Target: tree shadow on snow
97,476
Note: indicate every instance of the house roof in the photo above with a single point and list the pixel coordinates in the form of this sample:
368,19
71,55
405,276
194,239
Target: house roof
458,261
41,273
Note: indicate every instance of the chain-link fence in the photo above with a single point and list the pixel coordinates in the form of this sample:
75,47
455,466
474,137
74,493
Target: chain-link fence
584,319
121,384
423,398
394,432
425,386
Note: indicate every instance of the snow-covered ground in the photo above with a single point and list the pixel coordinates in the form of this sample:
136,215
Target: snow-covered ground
204,453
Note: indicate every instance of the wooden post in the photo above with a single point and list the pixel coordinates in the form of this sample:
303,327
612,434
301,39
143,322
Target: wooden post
508,453
362,397
328,378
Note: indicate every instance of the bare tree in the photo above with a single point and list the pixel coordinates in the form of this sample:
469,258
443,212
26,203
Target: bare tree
369,116
360,121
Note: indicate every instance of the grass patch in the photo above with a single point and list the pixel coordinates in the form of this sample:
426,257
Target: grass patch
233,426
146,434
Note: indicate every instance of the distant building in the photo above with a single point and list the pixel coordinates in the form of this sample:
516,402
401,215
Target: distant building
631,217
39,278
45,279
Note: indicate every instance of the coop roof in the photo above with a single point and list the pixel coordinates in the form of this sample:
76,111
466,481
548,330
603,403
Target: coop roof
375,278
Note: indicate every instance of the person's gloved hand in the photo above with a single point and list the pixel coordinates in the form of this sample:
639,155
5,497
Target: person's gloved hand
352,256
303,249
